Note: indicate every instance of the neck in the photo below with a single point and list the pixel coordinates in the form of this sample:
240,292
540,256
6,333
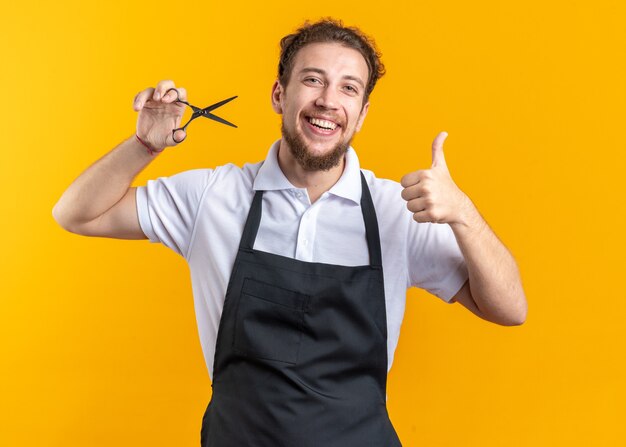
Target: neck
316,182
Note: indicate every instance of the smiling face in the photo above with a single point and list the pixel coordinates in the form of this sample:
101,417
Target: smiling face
322,105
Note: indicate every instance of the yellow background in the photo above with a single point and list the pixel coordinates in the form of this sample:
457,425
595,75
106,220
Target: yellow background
98,341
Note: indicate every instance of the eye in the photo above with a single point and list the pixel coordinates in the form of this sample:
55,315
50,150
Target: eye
351,89
312,80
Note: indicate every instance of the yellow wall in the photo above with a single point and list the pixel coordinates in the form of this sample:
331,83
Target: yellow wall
98,343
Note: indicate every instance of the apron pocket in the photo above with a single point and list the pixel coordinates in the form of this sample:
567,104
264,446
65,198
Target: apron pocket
269,321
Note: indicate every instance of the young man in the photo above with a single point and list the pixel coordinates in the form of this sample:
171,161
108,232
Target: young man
300,264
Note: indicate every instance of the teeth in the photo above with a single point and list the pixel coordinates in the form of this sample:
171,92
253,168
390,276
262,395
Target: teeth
323,123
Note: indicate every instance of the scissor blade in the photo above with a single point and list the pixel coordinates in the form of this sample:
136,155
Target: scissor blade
219,120
218,104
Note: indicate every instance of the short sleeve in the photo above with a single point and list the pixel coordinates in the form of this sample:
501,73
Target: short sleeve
167,208
435,261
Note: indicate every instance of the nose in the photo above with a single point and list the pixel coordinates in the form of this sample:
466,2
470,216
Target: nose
327,99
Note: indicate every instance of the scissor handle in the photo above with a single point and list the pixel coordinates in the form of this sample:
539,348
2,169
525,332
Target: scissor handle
180,128
174,138
176,90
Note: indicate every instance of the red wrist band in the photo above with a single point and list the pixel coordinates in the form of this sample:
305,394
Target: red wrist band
150,150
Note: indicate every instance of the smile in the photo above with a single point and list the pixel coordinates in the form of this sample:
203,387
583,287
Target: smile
319,126
322,124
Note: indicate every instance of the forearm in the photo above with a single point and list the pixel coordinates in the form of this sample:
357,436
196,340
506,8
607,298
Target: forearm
494,278
102,185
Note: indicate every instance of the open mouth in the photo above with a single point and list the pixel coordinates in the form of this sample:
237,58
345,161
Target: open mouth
322,126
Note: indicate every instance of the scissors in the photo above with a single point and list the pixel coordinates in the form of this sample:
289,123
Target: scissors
198,112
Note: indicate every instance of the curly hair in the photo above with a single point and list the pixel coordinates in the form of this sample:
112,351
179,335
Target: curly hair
330,30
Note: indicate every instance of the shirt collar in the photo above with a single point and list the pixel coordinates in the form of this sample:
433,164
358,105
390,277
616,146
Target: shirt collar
271,178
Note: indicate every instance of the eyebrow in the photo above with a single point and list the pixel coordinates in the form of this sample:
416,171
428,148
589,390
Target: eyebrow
322,72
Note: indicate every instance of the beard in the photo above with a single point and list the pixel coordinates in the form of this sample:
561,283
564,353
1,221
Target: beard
306,159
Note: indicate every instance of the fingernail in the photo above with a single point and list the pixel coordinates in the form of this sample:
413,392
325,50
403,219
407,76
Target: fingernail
157,95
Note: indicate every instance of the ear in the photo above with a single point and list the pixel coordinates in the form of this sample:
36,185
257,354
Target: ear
277,97
362,116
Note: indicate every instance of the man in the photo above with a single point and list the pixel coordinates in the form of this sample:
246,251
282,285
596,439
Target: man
300,264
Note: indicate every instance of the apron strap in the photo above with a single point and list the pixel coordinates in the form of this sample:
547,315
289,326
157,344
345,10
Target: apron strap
369,218
252,223
371,225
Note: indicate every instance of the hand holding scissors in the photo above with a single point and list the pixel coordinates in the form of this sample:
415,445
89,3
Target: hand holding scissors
160,113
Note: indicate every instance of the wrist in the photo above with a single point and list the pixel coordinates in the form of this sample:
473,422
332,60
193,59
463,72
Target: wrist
152,151
468,218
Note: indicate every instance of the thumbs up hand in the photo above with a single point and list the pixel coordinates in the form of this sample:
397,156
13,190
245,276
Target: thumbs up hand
432,195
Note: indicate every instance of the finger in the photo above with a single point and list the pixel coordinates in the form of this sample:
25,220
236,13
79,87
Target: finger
422,216
417,205
182,93
174,94
438,157
170,95
176,137
413,178
141,98
161,88
412,192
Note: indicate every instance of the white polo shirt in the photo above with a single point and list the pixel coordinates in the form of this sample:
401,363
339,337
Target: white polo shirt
200,214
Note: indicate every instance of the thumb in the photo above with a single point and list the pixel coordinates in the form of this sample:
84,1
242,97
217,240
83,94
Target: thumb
438,157
176,137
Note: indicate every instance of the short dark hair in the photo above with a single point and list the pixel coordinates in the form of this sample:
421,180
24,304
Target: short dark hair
330,30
